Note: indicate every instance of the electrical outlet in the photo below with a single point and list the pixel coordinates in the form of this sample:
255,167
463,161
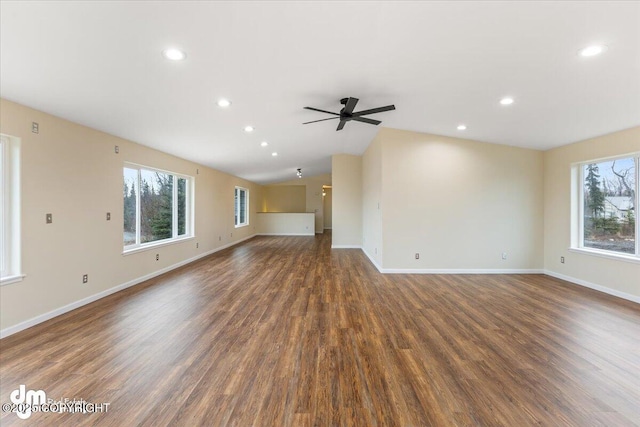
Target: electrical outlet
504,255
231,234
49,218
375,251
157,257
85,278
108,216
561,260
35,128
197,245
219,238
417,255
116,149
197,171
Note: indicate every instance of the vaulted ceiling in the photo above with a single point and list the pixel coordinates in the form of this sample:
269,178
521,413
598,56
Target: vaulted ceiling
441,63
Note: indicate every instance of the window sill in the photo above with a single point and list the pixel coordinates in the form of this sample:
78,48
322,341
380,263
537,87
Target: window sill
12,279
156,245
607,254
242,225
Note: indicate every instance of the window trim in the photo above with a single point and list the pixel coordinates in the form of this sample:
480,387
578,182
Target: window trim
237,206
577,211
600,253
189,214
10,235
156,244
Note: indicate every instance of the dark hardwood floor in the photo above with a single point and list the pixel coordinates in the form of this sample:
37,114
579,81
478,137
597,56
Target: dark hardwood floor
282,331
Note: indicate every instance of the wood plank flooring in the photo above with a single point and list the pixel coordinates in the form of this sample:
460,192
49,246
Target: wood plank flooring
283,331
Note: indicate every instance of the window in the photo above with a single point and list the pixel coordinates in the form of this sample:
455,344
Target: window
242,206
157,206
608,201
9,210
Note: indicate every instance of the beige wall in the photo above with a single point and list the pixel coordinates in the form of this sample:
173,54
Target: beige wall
346,171
617,275
313,198
284,198
459,203
72,172
371,200
327,208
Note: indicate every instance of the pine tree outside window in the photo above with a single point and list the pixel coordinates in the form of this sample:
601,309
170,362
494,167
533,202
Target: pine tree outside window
157,206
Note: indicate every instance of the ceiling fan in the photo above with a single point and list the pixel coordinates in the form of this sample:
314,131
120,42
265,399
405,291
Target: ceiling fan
346,113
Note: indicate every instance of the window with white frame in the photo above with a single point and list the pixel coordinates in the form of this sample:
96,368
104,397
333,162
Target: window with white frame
608,200
157,206
10,268
241,206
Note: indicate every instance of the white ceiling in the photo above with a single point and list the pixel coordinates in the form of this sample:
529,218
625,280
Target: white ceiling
440,63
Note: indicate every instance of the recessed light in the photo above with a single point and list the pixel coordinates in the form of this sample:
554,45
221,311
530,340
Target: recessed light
462,127
506,101
274,154
592,50
224,103
249,128
174,54
264,143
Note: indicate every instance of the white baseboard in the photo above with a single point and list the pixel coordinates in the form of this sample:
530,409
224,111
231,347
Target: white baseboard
460,271
600,288
373,261
84,301
345,247
286,234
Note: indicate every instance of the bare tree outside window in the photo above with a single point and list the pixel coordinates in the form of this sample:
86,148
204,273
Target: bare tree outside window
609,208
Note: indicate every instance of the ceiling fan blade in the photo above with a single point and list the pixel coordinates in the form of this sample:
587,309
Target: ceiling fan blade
322,111
374,110
341,124
321,120
351,104
365,120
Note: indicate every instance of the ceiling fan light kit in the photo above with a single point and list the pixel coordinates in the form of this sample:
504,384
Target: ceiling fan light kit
346,113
